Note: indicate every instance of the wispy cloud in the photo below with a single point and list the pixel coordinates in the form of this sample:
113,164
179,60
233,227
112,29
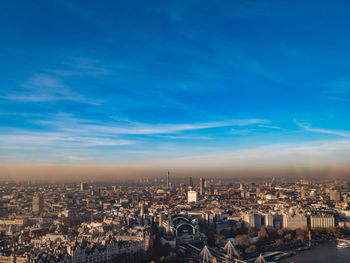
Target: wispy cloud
185,137
135,128
307,127
270,127
25,139
45,88
61,135
79,66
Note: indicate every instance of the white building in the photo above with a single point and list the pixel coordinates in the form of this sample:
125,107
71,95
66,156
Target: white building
294,220
321,221
269,222
251,219
192,196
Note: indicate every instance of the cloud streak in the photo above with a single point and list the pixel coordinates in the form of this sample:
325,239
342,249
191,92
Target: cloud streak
307,127
25,139
46,88
62,135
136,128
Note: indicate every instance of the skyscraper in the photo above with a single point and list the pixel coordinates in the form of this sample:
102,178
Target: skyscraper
83,187
190,181
168,180
38,203
201,186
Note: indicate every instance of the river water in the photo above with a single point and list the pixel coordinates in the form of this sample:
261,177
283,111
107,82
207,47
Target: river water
327,252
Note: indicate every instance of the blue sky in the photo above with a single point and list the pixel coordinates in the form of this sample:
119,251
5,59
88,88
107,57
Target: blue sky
146,81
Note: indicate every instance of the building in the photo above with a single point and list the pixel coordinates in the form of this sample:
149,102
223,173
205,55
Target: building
252,220
192,196
201,186
13,222
38,203
302,193
190,181
268,220
322,221
83,187
335,195
294,220
168,180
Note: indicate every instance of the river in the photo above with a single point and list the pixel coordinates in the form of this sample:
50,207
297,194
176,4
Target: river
327,252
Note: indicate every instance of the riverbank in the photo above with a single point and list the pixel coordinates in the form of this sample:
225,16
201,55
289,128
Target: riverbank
324,252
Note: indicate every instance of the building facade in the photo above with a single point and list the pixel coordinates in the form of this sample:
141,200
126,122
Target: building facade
192,197
321,222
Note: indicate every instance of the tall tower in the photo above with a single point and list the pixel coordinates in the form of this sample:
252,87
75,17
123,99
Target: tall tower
83,187
201,186
190,181
168,180
38,203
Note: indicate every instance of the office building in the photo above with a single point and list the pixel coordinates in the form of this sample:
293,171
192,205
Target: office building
192,197
190,181
321,221
294,220
83,187
201,186
252,220
335,195
168,180
38,204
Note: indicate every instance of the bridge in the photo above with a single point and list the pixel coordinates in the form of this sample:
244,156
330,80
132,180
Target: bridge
212,255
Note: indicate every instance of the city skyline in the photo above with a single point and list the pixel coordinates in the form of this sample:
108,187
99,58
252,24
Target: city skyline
124,90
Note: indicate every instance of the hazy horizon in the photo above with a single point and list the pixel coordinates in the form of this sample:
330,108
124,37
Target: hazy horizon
130,90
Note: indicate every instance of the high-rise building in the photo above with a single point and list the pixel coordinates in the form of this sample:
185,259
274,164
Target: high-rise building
38,203
268,220
201,186
83,186
294,220
251,219
168,180
192,197
302,193
190,181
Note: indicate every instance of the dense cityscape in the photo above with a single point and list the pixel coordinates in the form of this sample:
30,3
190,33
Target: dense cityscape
174,131
170,219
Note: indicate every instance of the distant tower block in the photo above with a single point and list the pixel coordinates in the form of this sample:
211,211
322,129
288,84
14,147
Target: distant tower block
201,186
302,193
168,180
38,203
83,187
335,195
190,181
